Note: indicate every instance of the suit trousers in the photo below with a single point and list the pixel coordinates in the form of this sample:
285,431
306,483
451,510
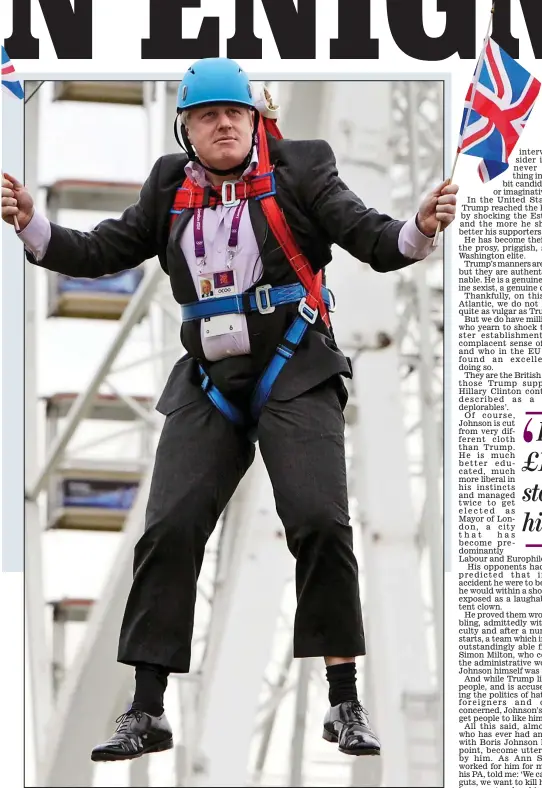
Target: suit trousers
201,458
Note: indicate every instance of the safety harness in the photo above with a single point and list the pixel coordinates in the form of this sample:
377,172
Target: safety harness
312,297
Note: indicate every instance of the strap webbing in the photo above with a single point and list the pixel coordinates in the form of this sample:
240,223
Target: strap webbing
263,300
278,226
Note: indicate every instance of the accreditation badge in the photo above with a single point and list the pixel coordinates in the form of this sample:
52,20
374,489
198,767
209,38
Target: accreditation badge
215,285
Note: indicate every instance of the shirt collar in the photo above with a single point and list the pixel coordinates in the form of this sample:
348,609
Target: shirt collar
199,175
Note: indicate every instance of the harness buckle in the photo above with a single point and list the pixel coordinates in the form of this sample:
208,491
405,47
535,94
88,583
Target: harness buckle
229,197
205,381
306,312
264,310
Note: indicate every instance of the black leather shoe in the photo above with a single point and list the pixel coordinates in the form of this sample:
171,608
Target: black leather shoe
137,734
348,724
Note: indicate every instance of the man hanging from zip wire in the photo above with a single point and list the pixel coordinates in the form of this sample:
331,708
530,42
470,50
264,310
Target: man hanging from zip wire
243,223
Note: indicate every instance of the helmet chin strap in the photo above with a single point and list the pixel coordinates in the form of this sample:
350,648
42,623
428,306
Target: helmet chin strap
190,152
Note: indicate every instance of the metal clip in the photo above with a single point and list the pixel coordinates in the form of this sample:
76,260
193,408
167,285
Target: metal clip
306,312
229,198
264,290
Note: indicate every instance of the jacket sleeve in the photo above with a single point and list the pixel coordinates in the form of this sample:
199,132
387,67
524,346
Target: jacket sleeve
113,245
366,234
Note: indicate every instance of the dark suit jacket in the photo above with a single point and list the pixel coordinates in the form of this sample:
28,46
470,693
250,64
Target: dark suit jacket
320,210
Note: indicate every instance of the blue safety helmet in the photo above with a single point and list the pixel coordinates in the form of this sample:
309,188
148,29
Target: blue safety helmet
214,80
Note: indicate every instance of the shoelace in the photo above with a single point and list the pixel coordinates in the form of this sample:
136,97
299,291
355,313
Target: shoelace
359,712
124,719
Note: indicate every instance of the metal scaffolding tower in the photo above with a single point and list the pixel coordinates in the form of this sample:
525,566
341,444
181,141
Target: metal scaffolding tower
392,328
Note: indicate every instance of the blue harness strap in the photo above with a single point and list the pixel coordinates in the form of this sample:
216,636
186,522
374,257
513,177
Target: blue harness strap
264,300
229,410
283,353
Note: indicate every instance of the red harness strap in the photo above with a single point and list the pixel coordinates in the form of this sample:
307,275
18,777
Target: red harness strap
192,196
277,224
262,187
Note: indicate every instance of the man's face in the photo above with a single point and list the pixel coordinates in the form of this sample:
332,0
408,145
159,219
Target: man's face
221,134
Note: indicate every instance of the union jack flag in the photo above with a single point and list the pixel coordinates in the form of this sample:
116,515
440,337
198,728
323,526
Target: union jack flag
497,107
10,83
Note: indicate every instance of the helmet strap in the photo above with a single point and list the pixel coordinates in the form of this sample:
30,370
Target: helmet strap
191,153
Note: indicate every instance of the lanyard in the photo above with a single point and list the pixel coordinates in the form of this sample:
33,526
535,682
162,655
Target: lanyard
199,244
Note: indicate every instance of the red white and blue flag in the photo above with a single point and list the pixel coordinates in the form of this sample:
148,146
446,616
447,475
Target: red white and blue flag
10,83
497,107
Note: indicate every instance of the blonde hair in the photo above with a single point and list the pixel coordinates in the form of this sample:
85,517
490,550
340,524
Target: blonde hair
185,115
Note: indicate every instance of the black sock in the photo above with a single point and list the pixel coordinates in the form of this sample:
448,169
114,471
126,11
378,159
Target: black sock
342,682
151,683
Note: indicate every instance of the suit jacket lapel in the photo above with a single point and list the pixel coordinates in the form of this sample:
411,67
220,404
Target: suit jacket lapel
259,223
176,259
179,225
